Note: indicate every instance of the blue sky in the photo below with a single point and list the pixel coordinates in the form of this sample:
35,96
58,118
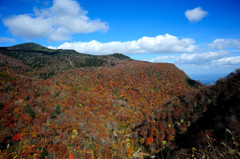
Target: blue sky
198,36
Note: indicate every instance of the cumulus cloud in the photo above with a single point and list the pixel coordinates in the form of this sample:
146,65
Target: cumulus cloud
163,58
195,14
57,23
227,61
208,59
200,58
52,47
225,43
3,39
28,27
205,59
159,44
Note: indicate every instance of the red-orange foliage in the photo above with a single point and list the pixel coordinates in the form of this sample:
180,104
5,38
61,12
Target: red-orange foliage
70,155
149,141
17,137
103,105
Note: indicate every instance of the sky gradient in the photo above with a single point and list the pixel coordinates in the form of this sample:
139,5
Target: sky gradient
199,36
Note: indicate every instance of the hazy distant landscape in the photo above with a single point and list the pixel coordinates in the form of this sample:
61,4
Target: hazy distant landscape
208,79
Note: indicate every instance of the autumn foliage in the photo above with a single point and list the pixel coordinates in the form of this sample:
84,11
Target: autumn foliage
17,137
110,111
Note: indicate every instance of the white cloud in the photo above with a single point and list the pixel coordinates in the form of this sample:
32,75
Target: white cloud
200,58
52,47
27,27
163,58
159,44
57,23
205,59
225,43
3,39
195,14
227,61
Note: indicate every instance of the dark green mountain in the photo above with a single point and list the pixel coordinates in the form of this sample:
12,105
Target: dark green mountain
30,47
46,62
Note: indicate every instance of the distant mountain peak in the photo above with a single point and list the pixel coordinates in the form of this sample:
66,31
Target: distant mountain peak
38,57
120,56
29,46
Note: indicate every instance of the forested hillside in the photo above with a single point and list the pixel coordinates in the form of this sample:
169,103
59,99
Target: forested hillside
44,62
64,104
207,122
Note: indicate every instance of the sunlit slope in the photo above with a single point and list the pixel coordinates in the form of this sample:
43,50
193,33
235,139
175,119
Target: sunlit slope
88,111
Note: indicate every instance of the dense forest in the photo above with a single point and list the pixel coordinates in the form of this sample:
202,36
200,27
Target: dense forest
65,104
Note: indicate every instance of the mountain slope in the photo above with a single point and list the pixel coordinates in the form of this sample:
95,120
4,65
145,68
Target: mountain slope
95,109
30,47
44,62
61,103
220,122
206,123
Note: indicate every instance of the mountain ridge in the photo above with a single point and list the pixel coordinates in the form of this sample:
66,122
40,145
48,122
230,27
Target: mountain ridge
72,104
48,61
34,47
